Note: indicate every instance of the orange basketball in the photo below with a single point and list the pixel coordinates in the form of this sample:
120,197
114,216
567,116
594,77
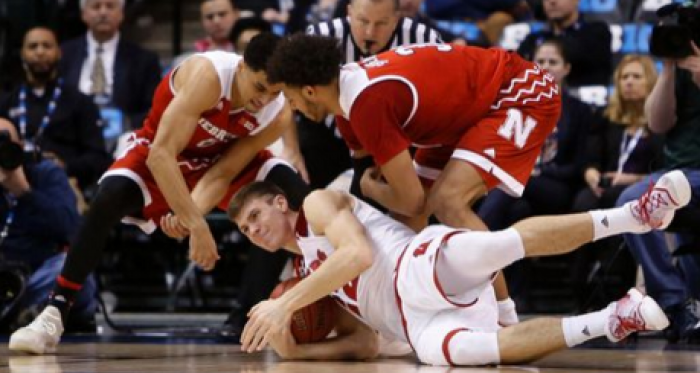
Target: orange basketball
312,323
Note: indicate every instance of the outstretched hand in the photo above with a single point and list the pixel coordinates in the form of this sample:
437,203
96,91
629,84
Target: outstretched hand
266,321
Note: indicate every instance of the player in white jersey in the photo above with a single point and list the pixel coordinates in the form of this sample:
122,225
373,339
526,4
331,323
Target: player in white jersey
392,280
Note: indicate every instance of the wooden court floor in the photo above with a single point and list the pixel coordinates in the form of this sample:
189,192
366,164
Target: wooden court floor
198,356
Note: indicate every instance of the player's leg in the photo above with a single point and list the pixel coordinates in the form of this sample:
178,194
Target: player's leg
117,197
451,200
484,253
452,187
457,344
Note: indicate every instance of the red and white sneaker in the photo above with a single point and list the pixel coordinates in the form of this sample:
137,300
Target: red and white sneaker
656,207
634,313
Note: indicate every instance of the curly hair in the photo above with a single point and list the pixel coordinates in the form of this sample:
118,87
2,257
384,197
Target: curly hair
301,60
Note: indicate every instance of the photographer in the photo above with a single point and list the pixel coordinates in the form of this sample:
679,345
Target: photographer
38,216
673,109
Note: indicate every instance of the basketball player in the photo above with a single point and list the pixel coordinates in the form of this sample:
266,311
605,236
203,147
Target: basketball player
395,280
477,116
204,138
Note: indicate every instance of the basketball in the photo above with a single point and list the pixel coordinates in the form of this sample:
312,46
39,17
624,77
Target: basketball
312,323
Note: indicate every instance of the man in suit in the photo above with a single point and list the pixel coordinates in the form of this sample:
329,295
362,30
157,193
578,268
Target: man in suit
115,72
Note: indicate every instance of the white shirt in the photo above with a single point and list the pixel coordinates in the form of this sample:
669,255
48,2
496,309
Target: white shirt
109,54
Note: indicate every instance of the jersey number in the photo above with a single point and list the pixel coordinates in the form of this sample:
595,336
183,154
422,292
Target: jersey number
515,129
409,50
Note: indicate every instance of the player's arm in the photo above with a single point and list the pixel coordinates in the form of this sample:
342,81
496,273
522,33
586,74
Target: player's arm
291,151
660,106
329,213
402,192
377,117
354,340
213,185
197,86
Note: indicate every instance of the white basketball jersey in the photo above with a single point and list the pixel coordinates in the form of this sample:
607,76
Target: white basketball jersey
370,297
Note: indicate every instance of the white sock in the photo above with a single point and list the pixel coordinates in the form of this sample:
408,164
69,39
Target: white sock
610,222
579,329
507,314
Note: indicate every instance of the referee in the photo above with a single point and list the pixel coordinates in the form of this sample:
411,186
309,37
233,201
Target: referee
371,27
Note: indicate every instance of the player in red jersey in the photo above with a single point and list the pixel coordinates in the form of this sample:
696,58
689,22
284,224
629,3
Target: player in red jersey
393,280
205,137
478,118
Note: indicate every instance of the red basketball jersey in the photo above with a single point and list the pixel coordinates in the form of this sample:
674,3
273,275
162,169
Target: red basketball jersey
424,95
218,126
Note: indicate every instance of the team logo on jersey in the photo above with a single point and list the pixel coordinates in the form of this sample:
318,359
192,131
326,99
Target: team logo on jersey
249,125
216,132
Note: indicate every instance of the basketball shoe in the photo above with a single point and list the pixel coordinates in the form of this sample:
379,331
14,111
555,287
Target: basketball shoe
41,335
657,206
634,313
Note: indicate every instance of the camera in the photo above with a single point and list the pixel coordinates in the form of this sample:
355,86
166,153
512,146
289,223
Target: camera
605,182
11,153
679,24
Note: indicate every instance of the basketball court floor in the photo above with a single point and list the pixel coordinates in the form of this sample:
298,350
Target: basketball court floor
200,355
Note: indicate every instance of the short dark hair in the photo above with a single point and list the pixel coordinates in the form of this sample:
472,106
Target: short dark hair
259,50
249,192
248,23
557,43
301,60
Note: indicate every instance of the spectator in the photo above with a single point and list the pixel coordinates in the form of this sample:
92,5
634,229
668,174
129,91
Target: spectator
246,29
490,15
114,71
218,17
622,149
412,9
588,43
40,217
54,117
557,173
273,11
673,109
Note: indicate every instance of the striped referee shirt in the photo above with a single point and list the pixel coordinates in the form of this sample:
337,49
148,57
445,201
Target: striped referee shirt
407,32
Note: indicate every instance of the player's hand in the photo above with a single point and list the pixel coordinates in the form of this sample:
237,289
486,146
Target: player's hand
284,344
265,321
173,227
203,248
370,179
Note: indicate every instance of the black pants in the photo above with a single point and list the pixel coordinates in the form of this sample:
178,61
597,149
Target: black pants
326,156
